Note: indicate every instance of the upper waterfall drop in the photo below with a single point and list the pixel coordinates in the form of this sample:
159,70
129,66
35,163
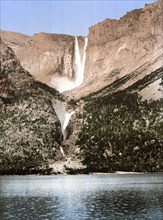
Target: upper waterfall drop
63,83
84,57
78,63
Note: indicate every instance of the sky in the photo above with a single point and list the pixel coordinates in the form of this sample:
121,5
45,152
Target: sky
72,17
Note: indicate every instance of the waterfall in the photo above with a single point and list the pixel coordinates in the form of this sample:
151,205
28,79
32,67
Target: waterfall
63,116
78,63
63,83
67,116
84,58
62,151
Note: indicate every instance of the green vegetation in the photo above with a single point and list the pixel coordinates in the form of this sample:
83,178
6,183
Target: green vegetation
120,132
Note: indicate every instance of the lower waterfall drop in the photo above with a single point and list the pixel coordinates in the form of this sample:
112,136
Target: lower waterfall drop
62,151
63,116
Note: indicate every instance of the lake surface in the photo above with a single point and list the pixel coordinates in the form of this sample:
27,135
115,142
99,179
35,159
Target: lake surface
82,197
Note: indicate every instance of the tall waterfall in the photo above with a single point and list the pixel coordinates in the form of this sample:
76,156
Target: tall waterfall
63,83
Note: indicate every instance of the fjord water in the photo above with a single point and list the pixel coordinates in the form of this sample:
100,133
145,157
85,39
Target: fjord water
82,197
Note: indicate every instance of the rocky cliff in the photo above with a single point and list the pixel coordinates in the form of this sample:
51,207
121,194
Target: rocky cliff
117,48
118,118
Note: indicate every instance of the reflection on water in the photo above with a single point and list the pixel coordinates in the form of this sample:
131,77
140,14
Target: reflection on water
83,197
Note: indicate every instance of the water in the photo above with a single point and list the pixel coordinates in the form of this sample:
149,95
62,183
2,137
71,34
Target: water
82,197
63,116
78,63
63,83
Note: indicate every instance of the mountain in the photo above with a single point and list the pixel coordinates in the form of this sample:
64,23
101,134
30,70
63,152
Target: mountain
30,132
117,48
117,122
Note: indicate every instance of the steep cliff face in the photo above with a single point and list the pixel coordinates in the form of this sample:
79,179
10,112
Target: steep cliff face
117,48
12,83
45,56
136,37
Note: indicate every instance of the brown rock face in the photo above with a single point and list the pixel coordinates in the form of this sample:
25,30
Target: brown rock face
116,48
43,54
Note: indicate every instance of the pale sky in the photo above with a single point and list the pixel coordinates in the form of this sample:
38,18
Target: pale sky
72,17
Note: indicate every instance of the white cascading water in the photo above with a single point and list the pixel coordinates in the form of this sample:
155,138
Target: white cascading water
84,58
63,116
62,151
63,83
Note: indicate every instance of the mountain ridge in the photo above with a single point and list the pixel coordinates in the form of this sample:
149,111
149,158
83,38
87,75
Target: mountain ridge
136,37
